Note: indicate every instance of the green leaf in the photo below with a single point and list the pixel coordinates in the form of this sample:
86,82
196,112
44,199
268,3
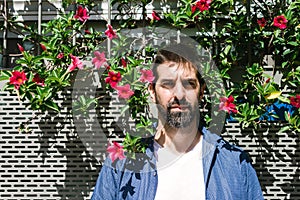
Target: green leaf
293,43
132,60
273,95
52,105
90,101
227,49
284,99
287,51
39,91
277,32
52,78
5,75
124,109
284,129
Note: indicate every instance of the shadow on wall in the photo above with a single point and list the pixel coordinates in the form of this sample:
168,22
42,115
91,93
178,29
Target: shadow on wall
81,172
58,132
82,167
278,160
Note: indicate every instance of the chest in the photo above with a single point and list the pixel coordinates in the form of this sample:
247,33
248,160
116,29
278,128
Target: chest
180,177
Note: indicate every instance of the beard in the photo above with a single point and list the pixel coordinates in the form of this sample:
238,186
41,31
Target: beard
177,119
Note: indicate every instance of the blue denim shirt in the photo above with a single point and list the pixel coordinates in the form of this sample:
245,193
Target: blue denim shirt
228,175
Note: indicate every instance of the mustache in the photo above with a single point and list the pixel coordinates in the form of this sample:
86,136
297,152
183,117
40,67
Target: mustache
179,103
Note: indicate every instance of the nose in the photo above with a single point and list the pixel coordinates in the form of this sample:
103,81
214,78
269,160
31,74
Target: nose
179,91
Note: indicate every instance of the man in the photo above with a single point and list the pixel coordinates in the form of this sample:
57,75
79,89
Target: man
185,161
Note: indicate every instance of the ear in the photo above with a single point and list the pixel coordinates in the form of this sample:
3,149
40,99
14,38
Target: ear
151,91
201,93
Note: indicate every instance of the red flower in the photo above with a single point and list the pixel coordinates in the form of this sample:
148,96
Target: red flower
227,104
60,55
262,22
99,59
44,48
194,8
115,151
280,22
202,5
113,78
147,76
37,79
155,16
295,101
17,79
123,62
21,49
76,63
81,14
88,32
110,32
124,91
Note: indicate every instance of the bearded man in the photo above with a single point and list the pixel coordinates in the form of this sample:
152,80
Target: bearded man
190,163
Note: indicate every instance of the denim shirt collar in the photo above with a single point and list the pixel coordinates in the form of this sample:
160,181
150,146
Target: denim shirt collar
210,144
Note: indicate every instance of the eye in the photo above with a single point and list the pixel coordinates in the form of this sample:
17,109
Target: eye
167,84
190,84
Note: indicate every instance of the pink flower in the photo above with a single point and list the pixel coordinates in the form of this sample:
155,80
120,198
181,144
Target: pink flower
81,14
17,79
115,151
262,22
60,55
37,79
155,16
280,22
76,63
21,49
123,62
202,5
147,76
295,101
113,78
124,91
110,33
99,59
227,104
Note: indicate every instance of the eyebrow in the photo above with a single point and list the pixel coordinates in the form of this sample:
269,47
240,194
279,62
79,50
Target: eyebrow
188,79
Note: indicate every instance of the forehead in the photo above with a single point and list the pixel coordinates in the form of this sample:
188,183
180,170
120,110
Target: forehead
172,70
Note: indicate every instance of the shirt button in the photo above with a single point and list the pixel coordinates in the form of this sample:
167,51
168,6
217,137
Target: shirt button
154,174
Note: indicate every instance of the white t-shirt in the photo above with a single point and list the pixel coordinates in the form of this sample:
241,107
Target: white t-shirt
180,177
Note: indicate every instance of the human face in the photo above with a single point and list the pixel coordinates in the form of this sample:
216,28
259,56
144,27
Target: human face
176,93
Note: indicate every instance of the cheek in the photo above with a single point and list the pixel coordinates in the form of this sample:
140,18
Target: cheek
163,97
193,97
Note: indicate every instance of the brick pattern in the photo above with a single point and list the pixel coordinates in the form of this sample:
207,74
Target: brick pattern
55,161
275,157
51,162
61,157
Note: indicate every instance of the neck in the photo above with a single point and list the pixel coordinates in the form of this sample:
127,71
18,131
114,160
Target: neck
178,140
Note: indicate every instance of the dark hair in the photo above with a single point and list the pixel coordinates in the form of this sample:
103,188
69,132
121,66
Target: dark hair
179,53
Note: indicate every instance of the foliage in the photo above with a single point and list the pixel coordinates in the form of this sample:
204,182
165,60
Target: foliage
241,43
240,37
61,39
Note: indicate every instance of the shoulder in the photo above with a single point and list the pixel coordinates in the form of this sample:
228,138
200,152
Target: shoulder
233,152
230,165
224,149
142,162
